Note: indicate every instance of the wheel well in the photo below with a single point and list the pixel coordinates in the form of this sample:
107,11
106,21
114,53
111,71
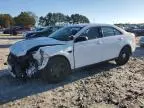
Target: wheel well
128,47
61,57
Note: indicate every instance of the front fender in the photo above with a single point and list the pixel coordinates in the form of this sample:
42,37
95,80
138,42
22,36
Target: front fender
44,53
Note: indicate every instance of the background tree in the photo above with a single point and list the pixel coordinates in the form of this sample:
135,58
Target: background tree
42,21
68,19
77,18
52,19
6,20
34,16
25,19
56,18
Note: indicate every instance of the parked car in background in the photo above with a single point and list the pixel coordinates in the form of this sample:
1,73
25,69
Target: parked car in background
15,30
39,29
42,33
33,30
1,30
69,48
141,41
137,32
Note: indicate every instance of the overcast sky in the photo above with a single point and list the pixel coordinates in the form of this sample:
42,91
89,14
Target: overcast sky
98,11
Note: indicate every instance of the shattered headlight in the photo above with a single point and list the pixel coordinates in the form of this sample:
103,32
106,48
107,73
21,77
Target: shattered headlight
42,58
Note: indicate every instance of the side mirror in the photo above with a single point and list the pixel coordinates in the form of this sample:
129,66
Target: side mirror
71,37
81,38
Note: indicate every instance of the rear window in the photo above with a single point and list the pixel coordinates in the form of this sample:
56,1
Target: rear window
110,31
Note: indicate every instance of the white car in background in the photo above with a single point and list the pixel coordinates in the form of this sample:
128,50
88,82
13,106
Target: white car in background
69,48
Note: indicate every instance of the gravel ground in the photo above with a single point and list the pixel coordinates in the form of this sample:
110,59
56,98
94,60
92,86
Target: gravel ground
104,85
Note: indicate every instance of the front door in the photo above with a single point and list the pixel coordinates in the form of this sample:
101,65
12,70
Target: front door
89,51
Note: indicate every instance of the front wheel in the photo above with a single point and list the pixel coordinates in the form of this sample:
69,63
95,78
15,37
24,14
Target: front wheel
56,70
123,56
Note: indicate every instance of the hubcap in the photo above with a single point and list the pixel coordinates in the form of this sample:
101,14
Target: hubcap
57,70
124,55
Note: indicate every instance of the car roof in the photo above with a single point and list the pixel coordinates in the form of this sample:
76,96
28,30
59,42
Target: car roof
94,25
82,25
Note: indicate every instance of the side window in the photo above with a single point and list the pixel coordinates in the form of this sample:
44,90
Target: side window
110,31
117,32
92,33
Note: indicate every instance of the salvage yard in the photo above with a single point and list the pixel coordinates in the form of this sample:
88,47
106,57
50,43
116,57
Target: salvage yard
104,85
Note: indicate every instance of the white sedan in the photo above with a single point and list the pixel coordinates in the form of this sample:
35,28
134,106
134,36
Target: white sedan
71,47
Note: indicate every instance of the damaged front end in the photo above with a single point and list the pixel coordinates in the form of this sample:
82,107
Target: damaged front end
28,65
27,58
23,66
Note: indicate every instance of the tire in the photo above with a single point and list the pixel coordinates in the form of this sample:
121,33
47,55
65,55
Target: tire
56,70
124,56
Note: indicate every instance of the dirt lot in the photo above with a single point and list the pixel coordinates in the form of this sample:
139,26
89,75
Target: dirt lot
103,85
5,42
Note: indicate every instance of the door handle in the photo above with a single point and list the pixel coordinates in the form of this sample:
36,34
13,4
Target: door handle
70,51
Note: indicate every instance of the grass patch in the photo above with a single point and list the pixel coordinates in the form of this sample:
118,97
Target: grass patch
5,35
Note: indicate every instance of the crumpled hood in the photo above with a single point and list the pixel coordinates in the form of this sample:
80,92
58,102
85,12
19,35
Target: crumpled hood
20,48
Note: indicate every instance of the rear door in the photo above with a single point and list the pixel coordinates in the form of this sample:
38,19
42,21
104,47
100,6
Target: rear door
112,39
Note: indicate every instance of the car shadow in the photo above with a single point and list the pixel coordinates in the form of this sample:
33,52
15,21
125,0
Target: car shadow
13,89
5,45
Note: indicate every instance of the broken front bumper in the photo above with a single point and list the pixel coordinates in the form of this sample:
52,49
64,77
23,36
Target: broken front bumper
21,67
10,71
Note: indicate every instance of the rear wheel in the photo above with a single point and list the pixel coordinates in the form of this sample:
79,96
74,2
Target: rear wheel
123,56
56,70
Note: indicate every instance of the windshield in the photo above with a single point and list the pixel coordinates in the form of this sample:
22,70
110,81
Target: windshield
64,33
